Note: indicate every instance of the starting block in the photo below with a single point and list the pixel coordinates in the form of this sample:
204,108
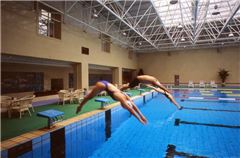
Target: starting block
53,116
141,90
103,101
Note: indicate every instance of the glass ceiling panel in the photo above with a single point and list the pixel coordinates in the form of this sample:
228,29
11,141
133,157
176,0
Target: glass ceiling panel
188,11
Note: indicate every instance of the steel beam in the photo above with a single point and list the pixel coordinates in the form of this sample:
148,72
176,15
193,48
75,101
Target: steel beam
112,12
234,11
164,27
84,23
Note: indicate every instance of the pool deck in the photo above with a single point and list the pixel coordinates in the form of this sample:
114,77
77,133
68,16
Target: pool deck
9,143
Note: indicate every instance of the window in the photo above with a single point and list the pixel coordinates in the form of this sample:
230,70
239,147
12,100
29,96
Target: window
49,22
106,43
70,80
14,82
85,50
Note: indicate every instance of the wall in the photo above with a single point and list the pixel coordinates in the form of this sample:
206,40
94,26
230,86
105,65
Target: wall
19,31
193,65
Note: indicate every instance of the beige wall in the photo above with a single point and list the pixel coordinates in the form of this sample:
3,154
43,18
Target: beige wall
19,36
193,65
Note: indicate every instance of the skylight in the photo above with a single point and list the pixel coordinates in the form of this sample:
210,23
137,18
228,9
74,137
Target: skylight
188,12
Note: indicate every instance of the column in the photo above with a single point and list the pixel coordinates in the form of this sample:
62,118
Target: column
117,75
81,75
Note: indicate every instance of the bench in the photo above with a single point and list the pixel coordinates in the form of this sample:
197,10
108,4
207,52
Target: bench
103,101
53,116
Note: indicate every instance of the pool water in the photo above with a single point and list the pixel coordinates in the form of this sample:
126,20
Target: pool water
201,129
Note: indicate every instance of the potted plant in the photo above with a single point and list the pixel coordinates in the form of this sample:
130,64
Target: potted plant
223,74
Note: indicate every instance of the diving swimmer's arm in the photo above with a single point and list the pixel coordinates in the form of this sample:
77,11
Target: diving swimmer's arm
163,87
168,95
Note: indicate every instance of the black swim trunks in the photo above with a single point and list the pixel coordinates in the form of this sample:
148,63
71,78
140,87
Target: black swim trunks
134,83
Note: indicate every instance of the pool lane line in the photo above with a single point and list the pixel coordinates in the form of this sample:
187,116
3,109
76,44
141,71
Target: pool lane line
206,109
211,100
171,153
178,122
108,123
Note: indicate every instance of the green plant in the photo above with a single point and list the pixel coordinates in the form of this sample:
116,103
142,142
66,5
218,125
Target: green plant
223,74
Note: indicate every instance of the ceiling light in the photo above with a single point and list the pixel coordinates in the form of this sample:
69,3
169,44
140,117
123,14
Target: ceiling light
124,33
182,39
216,12
140,43
180,26
173,1
230,34
95,15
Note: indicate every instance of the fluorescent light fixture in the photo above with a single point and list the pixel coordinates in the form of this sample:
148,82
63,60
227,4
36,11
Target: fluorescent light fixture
215,13
173,1
95,15
230,34
180,26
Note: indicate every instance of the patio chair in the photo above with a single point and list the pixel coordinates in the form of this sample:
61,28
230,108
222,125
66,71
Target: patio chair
21,105
190,84
213,84
5,104
103,93
201,84
78,95
30,105
63,96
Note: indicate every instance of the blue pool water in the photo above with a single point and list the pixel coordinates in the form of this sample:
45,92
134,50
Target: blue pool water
203,129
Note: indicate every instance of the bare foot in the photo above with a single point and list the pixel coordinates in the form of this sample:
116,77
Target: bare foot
180,108
143,122
144,119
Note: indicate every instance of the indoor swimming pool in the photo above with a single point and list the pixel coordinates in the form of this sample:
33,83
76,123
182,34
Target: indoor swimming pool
201,129
207,126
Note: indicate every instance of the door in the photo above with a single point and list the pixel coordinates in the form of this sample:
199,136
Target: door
56,84
176,80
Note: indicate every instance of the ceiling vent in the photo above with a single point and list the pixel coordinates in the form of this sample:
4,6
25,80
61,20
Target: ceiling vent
216,12
173,1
